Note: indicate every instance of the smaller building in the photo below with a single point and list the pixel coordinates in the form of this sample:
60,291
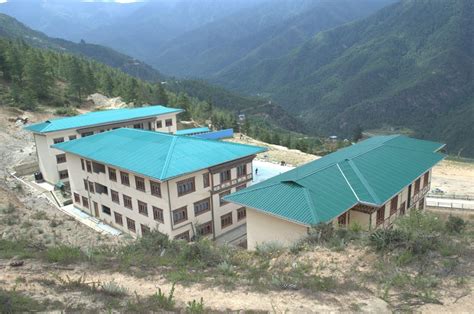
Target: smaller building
52,163
138,180
193,131
369,184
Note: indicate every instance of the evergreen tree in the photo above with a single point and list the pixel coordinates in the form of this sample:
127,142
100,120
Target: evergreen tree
37,78
76,78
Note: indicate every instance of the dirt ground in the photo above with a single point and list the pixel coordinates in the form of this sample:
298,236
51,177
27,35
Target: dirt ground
454,177
35,218
276,153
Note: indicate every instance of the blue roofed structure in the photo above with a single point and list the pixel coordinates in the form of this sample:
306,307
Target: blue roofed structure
154,154
99,118
193,131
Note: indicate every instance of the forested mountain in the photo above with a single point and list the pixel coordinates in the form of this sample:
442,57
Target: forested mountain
410,65
11,28
268,30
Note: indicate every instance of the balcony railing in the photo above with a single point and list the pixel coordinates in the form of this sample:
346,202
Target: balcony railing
418,196
231,183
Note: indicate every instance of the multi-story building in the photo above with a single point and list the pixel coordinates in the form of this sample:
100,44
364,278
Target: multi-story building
369,184
138,180
52,163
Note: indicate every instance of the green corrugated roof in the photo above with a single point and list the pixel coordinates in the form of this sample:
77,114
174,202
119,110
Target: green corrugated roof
192,131
154,154
99,117
370,172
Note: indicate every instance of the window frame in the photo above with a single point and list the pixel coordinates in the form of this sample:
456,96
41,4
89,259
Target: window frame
131,225
223,175
127,199
239,213
115,196
183,209
61,158
118,217
184,182
138,182
142,208
154,187
224,217
124,178
112,174
158,212
200,212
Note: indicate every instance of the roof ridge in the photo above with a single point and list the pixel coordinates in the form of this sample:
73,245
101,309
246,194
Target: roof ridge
168,157
348,183
364,181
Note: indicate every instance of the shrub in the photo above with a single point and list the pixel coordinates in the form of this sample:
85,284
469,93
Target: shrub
9,209
455,224
320,233
164,302
387,239
64,254
113,289
195,307
14,302
66,111
268,248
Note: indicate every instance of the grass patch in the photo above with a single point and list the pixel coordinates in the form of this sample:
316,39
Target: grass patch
64,255
15,302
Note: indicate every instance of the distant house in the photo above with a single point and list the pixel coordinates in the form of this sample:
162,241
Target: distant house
52,163
369,183
138,180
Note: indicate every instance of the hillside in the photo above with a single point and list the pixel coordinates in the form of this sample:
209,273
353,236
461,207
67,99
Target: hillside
268,30
12,29
410,65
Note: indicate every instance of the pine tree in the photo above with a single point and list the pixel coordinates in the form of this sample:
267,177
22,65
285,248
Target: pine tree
37,78
76,78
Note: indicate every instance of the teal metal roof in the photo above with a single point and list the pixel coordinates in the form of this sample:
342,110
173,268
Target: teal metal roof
99,117
370,172
193,131
154,154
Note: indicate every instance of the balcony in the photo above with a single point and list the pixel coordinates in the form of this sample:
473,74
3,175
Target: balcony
231,183
422,193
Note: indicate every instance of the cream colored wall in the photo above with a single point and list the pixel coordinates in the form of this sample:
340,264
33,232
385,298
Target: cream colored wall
263,228
47,155
362,219
168,202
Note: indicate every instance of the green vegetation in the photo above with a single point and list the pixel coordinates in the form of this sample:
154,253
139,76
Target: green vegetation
15,302
406,66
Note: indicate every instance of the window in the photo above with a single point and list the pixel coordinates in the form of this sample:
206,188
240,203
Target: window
142,208
138,126
380,215
242,170
115,196
202,207
89,166
118,219
72,137
145,229
158,214
180,215
240,187
417,186
159,124
85,202
241,213
155,188
140,184
98,168
204,229
77,198
112,174
124,178
101,189
58,140
186,186
226,220
131,225
183,236
221,201
393,205
86,134
91,187
106,210
61,158
82,164
127,202
86,185
426,178
225,176
168,122
63,174
205,179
